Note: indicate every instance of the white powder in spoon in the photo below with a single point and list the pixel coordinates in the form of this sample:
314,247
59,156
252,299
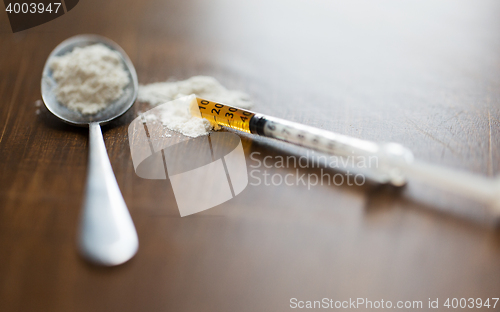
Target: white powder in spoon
176,115
89,78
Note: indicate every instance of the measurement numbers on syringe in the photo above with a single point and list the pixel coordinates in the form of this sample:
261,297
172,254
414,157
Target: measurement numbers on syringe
215,110
227,115
32,7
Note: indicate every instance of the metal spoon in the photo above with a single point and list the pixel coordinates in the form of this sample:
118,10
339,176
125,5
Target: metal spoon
107,235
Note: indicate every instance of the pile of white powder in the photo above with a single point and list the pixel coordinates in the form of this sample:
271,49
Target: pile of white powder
176,115
89,78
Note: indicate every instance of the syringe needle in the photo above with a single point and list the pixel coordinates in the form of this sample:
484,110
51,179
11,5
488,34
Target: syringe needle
483,189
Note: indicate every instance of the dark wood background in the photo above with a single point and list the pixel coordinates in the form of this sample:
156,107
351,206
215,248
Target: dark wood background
422,73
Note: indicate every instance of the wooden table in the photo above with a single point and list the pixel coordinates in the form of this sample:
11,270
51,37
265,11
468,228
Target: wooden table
423,73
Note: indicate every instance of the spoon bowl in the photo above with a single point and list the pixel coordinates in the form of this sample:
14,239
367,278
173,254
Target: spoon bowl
114,110
107,235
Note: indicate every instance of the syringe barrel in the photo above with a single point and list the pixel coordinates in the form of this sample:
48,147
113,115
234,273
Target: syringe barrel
311,137
302,135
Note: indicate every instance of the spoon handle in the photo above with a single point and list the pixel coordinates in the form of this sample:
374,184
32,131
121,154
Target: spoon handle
107,233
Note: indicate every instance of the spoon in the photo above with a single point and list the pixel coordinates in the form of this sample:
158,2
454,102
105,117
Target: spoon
107,235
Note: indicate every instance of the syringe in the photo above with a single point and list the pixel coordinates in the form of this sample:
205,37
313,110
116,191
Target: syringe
395,162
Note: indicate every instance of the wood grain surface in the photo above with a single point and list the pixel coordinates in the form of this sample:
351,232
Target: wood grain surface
425,74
